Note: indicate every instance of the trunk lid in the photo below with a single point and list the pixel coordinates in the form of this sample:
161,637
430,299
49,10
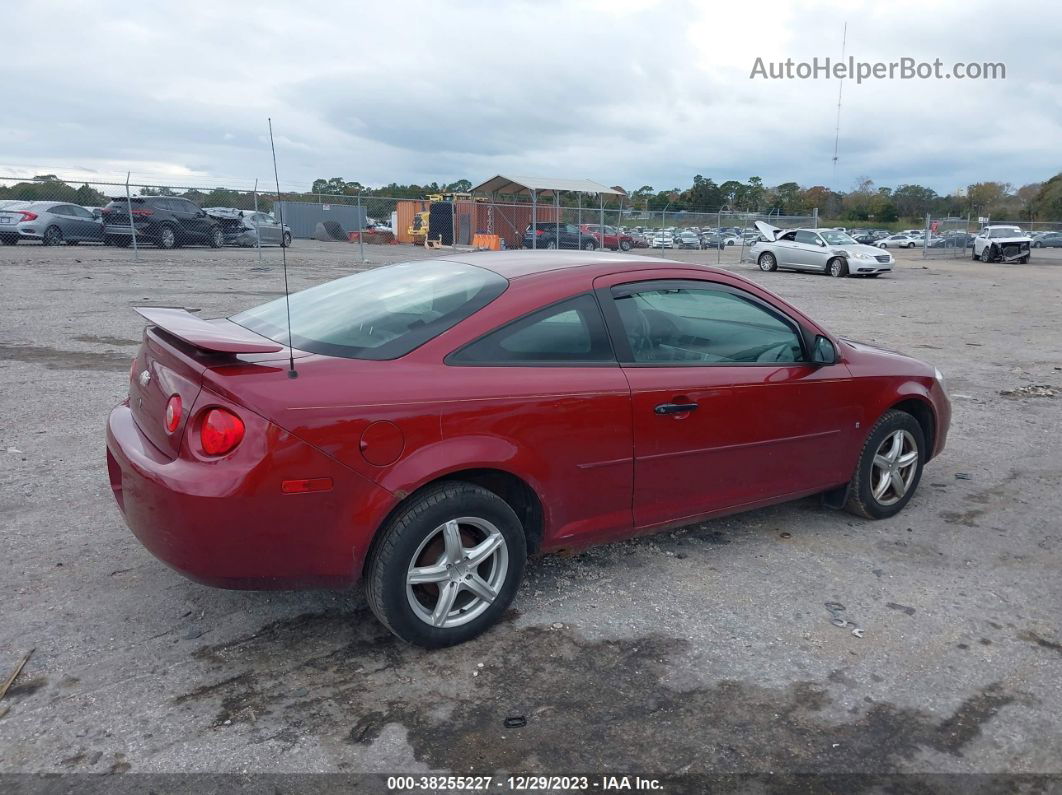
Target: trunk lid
177,349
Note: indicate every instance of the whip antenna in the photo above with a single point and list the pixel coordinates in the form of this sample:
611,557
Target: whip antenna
284,256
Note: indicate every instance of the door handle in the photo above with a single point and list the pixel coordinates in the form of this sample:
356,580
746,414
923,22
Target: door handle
674,408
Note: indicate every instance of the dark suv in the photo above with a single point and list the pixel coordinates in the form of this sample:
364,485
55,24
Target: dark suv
551,235
164,221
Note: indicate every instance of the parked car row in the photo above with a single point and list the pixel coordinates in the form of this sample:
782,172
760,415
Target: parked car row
162,221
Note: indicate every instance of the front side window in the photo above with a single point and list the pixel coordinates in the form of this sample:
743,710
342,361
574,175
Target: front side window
810,238
691,324
379,314
570,332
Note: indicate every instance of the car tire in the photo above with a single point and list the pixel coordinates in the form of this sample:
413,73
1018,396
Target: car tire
625,245
1024,260
882,246
53,236
986,254
837,267
873,492
767,262
166,237
429,534
589,245
551,244
286,241
217,239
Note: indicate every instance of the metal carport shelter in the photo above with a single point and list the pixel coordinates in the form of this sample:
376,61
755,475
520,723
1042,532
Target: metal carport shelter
534,187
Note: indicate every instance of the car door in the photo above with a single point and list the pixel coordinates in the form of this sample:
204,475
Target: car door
194,221
728,411
89,227
785,249
811,252
549,384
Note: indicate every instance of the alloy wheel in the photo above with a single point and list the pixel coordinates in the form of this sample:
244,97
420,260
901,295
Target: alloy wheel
457,572
894,468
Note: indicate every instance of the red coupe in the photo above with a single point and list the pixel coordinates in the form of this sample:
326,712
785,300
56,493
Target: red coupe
445,419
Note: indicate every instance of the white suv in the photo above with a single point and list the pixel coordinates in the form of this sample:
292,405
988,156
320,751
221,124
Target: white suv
1002,243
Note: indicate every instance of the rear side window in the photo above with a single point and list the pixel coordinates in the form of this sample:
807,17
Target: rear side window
379,314
570,332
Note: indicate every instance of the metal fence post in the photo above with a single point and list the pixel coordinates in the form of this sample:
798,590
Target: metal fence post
534,219
129,209
362,221
815,218
257,230
601,199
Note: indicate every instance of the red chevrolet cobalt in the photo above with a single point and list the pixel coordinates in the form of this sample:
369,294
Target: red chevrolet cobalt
445,419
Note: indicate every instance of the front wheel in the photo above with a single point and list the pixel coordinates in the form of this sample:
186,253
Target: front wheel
767,262
837,267
889,467
447,566
986,254
625,245
286,242
589,245
217,240
551,244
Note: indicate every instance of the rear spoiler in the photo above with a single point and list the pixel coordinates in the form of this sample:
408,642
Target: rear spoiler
206,335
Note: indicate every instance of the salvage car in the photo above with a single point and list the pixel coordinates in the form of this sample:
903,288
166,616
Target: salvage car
898,241
616,240
818,250
426,426
247,228
1002,244
51,223
163,221
550,235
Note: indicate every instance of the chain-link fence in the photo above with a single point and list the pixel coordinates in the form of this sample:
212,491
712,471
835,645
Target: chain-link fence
946,238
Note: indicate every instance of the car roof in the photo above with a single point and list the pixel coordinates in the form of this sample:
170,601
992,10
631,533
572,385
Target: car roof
520,263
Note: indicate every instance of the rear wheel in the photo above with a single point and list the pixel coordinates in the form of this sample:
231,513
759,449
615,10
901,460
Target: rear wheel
837,267
889,467
167,238
447,566
589,245
53,236
625,245
767,262
551,244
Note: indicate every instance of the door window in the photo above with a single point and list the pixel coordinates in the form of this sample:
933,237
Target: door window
690,324
810,238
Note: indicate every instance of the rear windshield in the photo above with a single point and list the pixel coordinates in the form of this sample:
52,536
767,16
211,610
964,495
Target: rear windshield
379,314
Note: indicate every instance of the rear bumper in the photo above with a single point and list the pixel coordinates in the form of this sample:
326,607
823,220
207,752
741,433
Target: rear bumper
27,230
226,522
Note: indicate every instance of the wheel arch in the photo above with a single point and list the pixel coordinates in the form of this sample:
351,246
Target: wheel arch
922,410
517,493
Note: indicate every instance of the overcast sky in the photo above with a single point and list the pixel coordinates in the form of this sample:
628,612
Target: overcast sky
618,91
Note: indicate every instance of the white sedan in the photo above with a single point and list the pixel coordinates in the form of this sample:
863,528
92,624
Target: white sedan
898,241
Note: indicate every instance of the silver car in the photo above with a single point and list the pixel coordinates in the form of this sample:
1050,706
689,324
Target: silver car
817,250
246,227
52,223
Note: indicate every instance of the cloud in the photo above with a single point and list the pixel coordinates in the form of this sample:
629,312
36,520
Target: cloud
625,93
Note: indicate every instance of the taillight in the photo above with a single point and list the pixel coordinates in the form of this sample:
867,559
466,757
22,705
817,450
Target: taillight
27,216
220,431
173,413
538,231
143,213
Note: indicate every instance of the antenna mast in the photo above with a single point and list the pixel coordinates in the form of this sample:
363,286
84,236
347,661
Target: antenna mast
284,256
840,88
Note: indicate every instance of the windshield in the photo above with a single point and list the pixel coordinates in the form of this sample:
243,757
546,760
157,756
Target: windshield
1007,231
379,314
836,238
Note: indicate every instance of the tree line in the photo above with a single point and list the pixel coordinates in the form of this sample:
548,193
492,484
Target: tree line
864,202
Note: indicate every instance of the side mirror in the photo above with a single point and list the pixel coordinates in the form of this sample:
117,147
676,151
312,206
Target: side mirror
823,352
201,214
822,243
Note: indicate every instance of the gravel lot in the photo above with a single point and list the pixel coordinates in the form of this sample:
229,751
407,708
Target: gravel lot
702,650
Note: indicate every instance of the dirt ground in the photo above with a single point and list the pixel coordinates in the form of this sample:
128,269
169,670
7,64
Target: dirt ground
707,649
